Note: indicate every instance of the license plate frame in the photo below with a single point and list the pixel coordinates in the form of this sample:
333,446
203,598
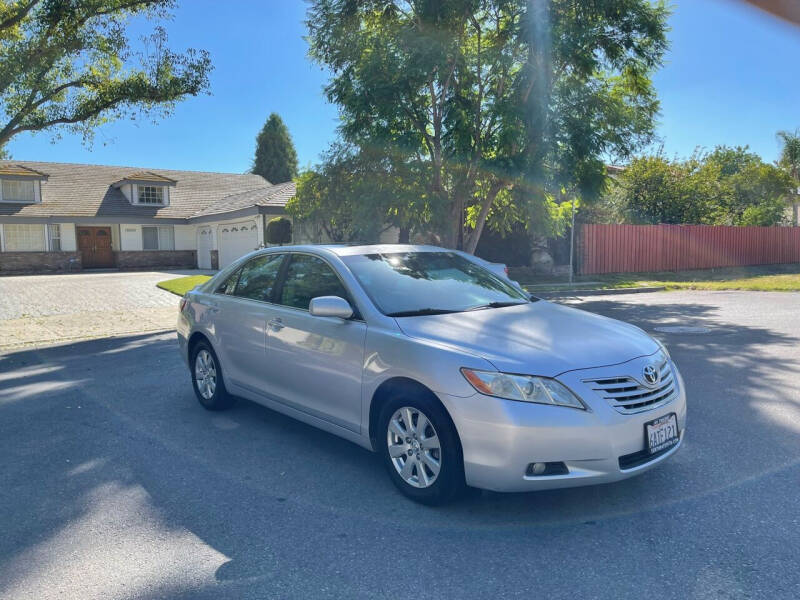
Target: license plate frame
653,430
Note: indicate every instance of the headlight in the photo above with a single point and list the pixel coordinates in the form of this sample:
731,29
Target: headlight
525,388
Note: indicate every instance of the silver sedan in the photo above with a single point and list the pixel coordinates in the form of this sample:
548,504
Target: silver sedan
453,375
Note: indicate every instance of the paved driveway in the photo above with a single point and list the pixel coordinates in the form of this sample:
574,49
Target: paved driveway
47,309
116,484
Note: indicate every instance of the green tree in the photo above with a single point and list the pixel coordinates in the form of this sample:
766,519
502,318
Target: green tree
491,104
751,192
356,195
276,158
70,66
316,207
655,189
790,161
727,186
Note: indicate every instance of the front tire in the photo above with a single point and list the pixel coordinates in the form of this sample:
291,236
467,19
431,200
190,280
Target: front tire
421,450
207,381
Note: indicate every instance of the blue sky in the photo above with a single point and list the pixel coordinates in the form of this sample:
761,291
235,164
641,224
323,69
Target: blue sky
732,76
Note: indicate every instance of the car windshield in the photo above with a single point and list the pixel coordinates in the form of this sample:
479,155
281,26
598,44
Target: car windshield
417,283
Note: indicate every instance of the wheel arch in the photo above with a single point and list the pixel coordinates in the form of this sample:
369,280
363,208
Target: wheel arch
396,385
196,337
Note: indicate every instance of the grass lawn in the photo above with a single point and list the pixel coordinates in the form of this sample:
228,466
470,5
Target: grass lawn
767,278
181,285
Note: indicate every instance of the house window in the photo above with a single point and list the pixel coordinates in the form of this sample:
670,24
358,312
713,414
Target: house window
55,237
150,194
14,190
24,238
158,238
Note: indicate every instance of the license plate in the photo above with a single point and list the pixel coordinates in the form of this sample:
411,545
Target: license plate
661,433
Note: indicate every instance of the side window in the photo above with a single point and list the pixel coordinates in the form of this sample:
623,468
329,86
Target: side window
258,277
309,277
229,285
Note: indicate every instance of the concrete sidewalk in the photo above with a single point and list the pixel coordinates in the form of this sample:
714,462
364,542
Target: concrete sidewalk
57,329
37,310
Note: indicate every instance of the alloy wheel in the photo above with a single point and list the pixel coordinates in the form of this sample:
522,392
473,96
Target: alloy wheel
414,447
205,373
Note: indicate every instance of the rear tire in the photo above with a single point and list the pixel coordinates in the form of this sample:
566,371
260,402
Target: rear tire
421,450
207,381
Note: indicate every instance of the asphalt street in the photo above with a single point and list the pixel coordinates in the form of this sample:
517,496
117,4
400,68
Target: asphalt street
116,484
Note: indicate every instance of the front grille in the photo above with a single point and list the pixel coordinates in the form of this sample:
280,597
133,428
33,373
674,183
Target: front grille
629,396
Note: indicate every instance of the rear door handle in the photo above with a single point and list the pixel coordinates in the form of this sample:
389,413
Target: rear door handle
275,324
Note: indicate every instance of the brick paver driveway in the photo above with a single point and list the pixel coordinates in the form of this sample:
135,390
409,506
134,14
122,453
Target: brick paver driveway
47,309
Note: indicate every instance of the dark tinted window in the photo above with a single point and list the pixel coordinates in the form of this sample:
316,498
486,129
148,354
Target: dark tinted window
229,285
309,277
258,276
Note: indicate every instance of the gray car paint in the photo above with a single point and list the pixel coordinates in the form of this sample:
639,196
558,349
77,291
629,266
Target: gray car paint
537,338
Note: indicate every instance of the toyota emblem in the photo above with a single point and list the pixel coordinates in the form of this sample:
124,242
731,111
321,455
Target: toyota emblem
651,375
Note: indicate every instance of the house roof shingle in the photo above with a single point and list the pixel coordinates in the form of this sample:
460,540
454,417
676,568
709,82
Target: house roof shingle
18,170
79,190
275,195
147,177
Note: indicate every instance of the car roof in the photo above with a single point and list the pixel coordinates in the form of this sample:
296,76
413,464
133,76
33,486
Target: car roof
345,250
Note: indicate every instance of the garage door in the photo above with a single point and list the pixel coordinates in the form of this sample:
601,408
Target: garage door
235,240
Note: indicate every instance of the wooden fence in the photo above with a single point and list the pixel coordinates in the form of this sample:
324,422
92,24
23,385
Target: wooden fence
637,248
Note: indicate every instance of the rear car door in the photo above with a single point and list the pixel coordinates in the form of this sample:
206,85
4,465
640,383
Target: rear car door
243,308
315,363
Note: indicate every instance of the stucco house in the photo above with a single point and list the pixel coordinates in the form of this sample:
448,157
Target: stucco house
57,216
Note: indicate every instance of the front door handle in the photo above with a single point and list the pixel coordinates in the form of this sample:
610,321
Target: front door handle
275,324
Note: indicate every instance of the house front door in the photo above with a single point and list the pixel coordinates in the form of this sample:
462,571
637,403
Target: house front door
94,244
205,244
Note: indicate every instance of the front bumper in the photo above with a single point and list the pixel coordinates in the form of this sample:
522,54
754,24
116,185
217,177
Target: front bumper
500,438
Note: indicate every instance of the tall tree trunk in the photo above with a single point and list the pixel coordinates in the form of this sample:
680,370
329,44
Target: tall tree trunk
404,235
486,205
452,237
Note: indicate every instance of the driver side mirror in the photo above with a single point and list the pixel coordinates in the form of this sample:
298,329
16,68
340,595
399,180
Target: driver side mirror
330,306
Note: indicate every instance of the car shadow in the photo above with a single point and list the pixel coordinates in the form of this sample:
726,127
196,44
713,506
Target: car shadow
100,430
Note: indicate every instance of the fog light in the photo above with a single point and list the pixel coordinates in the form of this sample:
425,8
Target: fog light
538,469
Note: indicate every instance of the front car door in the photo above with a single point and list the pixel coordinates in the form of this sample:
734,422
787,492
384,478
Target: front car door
243,305
315,363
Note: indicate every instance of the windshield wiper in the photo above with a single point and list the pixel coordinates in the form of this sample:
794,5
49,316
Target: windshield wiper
494,305
421,312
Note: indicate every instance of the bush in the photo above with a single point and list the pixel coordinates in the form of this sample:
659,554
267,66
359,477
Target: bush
279,231
513,249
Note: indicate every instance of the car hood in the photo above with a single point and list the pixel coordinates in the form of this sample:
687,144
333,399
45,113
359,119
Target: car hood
539,338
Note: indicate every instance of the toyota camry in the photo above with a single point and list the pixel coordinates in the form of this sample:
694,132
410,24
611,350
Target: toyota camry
452,374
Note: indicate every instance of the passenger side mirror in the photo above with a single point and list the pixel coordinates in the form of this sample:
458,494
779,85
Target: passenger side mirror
330,306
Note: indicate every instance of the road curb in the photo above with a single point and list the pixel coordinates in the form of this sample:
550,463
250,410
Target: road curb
607,292
68,341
